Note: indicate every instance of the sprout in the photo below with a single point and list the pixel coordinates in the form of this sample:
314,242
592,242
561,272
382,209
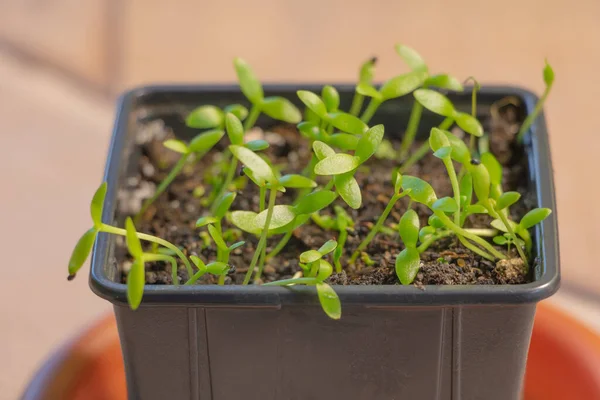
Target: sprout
365,78
548,74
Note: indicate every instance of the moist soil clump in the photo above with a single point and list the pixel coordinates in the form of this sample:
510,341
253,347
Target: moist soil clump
173,215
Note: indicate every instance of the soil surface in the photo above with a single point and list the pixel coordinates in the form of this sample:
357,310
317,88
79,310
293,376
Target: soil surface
173,215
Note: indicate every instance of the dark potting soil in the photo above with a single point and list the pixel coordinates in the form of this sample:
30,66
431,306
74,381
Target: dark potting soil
173,215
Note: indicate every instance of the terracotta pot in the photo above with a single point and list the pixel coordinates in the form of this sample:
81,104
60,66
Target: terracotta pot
564,363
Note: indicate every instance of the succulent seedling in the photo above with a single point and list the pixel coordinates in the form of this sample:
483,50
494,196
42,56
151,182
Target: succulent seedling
548,74
316,271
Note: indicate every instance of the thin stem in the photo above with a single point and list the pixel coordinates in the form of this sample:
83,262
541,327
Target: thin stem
411,129
261,264
475,249
377,226
228,179
298,281
252,117
532,117
514,236
263,237
461,232
433,238
280,245
329,185
163,257
199,274
163,185
122,232
455,187
341,243
357,103
424,148
261,201
222,279
482,232
370,111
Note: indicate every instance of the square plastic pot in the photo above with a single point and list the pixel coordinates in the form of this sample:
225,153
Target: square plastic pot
274,343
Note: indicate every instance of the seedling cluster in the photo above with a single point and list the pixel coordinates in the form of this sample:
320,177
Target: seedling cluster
342,143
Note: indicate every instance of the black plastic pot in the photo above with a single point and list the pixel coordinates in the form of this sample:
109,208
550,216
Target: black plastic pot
274,343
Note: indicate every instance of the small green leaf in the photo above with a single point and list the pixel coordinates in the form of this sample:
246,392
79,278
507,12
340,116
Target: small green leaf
481,181
402,84
500,240
235,130
435,102
425,232
330,302
314,102
365,74
469,124
176,145
97,204
411,58
205,141
466,185
133,242
257,145
249,83
245,220
217,268
282,109
328,247
311,117
282,215
348,123
310,256
437,139
444,81
322,150
203,221
421,191
369,142
445,204
331,98
460,151
476,209
408,263
205,117
325,270
309,130
260,169
223,204
216,236
507,199
348,189
534,217
548,74
198,263
498,224
366,89
493,166
236,245
443,152
314,202
397,182
81,251
337,164
435,221
135,283
408,227
238,110
344,141
295,181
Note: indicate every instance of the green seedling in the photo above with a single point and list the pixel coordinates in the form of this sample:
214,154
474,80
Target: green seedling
529,220
197,147
217,268
212,117
317,271
342,223
85,243
365,78
441,81
476,88
275,107
548,81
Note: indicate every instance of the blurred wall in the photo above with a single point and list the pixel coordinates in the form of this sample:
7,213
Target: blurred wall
117,44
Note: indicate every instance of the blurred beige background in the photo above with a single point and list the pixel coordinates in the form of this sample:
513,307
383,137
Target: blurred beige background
62,63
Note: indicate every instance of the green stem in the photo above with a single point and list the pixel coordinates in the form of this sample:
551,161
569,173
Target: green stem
222,279
261,264
513,235
377,226
163,185
298,281
424,148
343,236
532,117
455,187
228,179
163,257
482,232
357,103
280,245
195,277
263,237
411,129
462,232
475,249
261,201
252,117
150,238
370,111
329,185
433,238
